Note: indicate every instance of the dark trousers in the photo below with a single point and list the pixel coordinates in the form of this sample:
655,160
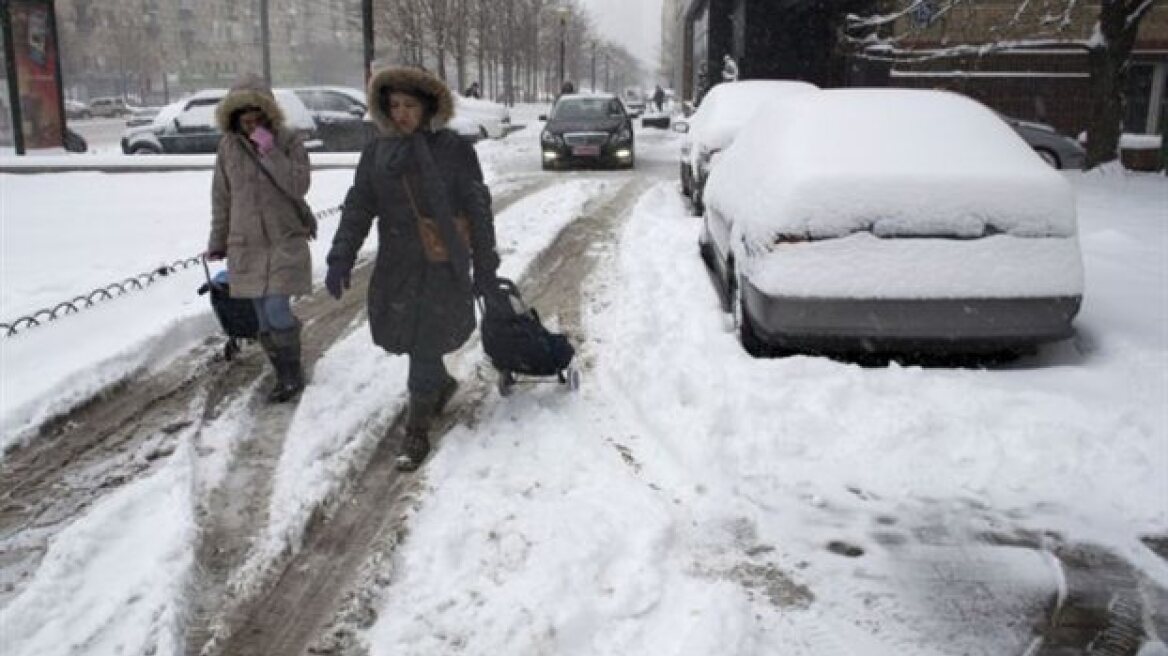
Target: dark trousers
427,374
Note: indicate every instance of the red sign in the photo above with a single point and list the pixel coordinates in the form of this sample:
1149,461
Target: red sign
34,49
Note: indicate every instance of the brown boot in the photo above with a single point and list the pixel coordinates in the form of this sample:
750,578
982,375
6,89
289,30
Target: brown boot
419,419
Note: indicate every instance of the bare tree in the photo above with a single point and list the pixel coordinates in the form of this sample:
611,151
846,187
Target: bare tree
1018,25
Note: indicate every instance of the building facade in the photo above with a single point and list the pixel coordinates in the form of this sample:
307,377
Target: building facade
768,39
1045,77
154,50
799,39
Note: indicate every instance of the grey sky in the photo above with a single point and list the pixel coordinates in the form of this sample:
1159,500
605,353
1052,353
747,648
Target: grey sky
635,24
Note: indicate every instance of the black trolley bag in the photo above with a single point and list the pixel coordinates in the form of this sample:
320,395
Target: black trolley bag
236,315
518,344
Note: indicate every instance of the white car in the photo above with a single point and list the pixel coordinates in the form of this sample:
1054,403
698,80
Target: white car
489,120
716,122
188,125
891,220
335,109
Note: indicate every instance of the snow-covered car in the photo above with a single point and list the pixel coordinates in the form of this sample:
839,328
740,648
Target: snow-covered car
341,117
634,100
489,120
188,125
586,129
1060,151
343,122
77,109
890,220
109,107
142,116
713,127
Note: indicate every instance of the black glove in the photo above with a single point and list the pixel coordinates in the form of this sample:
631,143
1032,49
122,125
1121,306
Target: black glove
336,281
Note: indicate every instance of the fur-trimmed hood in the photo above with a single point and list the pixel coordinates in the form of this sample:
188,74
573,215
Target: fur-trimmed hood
250,91
414,81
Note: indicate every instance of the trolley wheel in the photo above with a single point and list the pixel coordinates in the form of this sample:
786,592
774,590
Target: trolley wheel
573,378
230,350
505,383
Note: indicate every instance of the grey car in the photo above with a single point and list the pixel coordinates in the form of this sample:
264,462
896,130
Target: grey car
1058,150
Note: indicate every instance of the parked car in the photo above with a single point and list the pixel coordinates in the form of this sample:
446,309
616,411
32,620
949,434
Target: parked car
343,123
109,107
714,125
890,220
634,100
341,118
75,109
587,129
188,126
142,116
1060,151
492,120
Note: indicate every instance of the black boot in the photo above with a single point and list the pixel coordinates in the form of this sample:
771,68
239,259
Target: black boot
419,420
444,396
283,350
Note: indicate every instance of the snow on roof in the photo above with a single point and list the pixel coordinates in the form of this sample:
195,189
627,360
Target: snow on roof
894,161
728,106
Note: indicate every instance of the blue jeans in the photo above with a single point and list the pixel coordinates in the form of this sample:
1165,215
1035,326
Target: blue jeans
274,312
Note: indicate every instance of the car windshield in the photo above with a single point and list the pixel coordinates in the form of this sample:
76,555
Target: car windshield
576,109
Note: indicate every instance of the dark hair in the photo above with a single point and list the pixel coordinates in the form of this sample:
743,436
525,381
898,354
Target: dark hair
429,102
233,121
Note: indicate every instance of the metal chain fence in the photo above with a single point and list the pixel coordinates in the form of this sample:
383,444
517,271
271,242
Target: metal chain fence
112,291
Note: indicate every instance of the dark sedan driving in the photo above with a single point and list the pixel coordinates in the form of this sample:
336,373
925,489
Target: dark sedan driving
587,130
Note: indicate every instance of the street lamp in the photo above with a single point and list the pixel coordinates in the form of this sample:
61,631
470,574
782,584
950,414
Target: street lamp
563,11
593,67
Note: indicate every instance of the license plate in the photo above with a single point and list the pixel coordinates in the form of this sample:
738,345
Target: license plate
586,151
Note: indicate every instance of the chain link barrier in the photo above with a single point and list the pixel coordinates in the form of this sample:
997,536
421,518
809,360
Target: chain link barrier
113,290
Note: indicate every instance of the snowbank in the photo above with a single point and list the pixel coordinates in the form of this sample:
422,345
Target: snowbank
836,162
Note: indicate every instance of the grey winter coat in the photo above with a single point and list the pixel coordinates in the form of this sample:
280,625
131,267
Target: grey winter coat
415,306
252,221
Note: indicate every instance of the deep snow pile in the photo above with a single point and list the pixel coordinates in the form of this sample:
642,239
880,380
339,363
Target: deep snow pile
683,503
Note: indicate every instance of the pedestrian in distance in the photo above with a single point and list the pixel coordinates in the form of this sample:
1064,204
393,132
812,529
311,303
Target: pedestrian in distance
436,240
261,176
567,87
659,98
729,68
473,91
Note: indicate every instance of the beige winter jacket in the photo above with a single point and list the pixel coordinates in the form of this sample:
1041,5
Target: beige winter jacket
252,221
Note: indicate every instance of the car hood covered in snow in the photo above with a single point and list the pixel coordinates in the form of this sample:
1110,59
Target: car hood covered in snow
889,162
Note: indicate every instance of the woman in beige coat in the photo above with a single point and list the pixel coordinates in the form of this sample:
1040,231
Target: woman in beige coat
261,171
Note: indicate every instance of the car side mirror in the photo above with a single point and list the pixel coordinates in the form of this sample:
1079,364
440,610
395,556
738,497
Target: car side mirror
681,126
543,117
357,111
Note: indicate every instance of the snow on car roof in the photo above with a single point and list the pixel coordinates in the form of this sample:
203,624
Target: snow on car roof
728,106
913,161
295,113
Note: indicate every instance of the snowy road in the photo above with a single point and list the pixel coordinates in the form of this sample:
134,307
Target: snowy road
689,500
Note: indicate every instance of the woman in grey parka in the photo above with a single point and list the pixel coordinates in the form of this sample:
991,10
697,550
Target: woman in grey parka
261,166
424,185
